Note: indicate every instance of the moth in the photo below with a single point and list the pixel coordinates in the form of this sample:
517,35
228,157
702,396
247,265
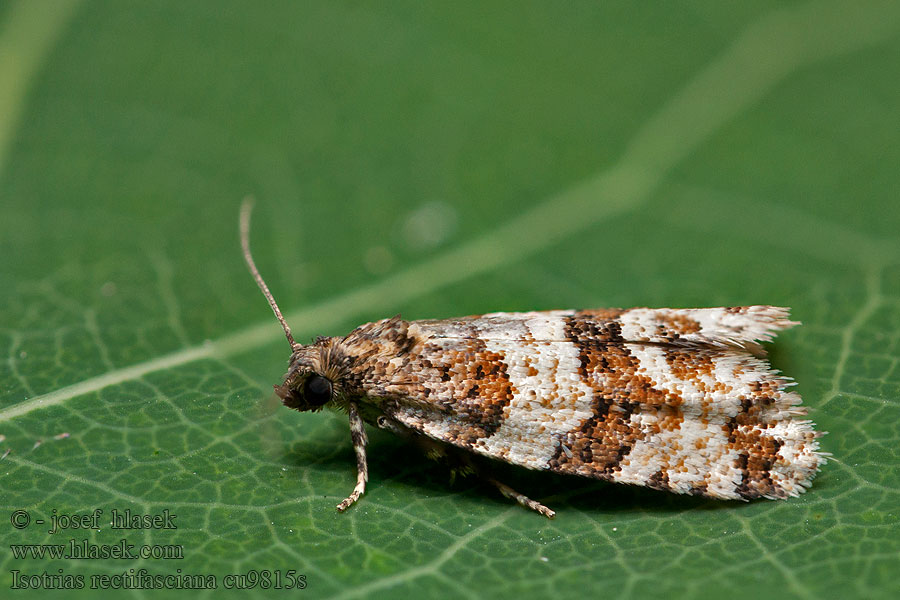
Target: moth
672,399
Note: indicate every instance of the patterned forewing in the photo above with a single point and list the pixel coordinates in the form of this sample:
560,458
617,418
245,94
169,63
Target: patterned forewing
683,407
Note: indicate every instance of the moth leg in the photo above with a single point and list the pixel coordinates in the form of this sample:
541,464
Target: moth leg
520,498
358,435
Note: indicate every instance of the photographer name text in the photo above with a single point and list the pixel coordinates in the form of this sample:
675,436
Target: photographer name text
117,520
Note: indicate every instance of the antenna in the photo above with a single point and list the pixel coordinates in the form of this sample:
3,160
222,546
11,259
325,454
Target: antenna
246,209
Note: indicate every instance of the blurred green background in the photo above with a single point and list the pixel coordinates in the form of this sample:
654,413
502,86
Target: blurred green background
435,160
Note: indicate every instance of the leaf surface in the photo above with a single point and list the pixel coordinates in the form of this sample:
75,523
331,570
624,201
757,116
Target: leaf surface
435,161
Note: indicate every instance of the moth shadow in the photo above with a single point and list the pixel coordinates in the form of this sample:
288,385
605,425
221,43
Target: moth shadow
589,495
329,450
393,459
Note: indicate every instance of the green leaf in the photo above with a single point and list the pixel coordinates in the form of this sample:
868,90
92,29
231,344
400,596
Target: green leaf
434,160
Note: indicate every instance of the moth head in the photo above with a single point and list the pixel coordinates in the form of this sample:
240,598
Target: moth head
315,377
310,392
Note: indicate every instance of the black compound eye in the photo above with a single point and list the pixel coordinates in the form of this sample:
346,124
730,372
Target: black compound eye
317,390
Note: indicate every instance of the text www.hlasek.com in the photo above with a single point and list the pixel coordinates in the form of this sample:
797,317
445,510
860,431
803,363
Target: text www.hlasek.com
82,549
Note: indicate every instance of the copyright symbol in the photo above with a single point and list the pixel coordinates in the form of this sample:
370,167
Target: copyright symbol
20,519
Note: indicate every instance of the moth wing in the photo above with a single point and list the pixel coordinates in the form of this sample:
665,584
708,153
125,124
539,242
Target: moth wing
741,326
670,399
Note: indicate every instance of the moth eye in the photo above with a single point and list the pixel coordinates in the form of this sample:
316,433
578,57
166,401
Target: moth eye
317,390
